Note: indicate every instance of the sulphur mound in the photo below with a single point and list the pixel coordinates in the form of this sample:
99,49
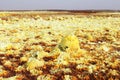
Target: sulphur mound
69,43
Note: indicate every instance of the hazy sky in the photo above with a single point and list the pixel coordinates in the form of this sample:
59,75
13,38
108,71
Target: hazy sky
59,4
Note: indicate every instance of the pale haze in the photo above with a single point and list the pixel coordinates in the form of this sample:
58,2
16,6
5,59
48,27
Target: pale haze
60,4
